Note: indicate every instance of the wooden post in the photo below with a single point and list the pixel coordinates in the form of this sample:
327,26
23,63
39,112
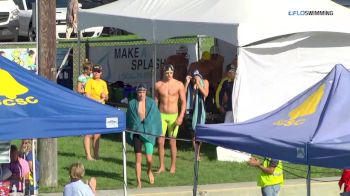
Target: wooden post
47,148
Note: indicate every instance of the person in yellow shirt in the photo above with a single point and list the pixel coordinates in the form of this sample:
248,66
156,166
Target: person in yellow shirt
271,177
96,89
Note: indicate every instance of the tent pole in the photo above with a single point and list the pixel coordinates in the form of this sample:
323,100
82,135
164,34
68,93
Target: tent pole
308,182
195,176
36,34
124,165
34,168
198,47
154,70
79,50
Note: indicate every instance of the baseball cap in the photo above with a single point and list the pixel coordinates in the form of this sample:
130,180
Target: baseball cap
206,56
169,67
182,50
141,87
96,68
196,73
231,68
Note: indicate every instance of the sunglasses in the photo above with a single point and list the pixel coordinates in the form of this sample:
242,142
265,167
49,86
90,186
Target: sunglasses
97,71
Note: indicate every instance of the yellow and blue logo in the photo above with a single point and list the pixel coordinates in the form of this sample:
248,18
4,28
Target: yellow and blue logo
308,107
11,89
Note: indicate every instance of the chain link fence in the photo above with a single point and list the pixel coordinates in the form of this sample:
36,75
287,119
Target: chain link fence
204,43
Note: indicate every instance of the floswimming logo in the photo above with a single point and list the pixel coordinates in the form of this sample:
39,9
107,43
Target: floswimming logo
11,89
308,107
310,13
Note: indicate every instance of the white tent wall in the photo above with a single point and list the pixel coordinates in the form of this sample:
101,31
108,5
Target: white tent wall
271,18
271,73
239,22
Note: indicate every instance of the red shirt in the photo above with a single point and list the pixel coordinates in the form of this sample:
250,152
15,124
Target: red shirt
345,179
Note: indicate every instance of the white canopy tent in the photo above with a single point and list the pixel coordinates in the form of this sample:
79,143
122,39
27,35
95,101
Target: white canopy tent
239,22
246,24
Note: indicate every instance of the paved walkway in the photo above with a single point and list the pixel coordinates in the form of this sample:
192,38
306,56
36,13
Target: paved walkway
295,187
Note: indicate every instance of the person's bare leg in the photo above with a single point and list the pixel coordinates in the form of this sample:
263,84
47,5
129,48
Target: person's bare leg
87,139
161,141
93,183
68,32
149,168
173,151
193,143
96,145
199,151
138,157
199,148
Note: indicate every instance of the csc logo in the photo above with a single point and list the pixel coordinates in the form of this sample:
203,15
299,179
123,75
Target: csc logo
10,89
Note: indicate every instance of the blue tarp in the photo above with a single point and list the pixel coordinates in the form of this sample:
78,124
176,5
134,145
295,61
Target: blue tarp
34,107
313,128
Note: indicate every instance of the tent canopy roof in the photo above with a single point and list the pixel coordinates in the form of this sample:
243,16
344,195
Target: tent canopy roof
312,128
239,22
33,107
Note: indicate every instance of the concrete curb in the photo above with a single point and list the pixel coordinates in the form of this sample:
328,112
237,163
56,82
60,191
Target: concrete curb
295,187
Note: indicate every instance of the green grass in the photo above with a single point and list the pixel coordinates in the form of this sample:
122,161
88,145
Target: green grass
109,169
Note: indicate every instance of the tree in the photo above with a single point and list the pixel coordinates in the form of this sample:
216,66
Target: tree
47,148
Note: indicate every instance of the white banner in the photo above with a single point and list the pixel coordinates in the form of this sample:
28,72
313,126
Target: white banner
133,64
25,57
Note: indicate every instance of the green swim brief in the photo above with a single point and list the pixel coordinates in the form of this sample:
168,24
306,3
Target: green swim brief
169,123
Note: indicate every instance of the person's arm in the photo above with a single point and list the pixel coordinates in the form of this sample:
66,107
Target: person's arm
268,170
224,101
204,89
183,104
92,184
104,94
187,82
256,163
80,88
156,95
30,163
88,88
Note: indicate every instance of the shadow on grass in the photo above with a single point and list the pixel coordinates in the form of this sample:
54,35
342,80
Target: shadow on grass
102,158
118,137
207,150
118,161
99,173
69,154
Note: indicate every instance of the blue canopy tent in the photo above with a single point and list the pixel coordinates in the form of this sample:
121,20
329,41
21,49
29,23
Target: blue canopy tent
312,129
33,107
